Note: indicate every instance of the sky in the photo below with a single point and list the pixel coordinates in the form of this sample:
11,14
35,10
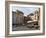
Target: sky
25,10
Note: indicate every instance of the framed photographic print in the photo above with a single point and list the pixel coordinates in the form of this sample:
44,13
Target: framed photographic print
24,18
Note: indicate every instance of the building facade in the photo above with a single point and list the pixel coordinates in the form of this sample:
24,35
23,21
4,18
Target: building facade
18,17
35,15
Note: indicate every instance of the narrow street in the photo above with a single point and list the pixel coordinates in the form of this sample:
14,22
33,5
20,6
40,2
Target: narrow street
24,27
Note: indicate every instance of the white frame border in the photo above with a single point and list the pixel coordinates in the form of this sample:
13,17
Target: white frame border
25,32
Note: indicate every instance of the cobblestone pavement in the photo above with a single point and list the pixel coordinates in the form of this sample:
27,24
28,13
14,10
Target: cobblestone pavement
22,27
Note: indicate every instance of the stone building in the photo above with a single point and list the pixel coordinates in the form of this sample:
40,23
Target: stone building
27,19
13,17
35,15
31,15
17,17
35,19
